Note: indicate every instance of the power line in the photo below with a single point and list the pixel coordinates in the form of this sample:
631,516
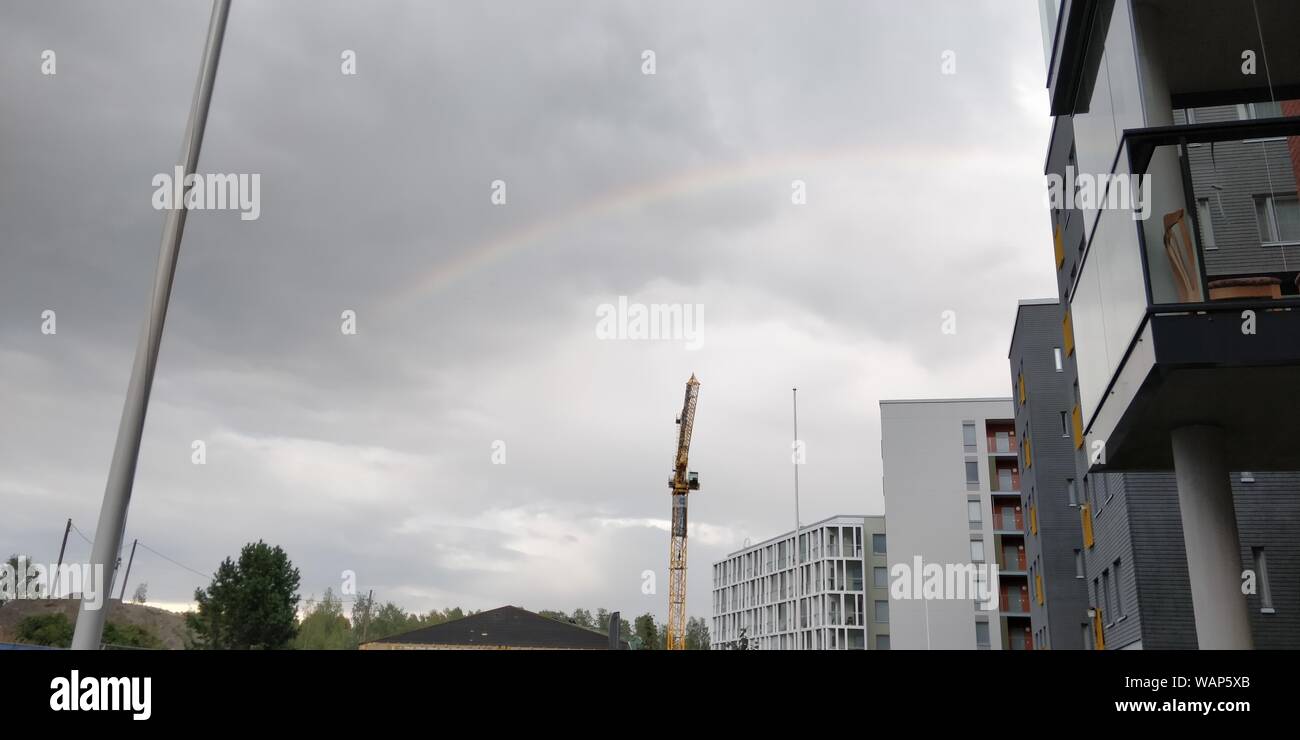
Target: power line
82,535
173,562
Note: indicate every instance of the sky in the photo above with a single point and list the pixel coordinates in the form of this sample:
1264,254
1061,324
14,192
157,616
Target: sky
478,441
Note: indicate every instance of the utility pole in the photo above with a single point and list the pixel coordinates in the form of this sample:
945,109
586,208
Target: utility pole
66,529
126,452
122,596
798,567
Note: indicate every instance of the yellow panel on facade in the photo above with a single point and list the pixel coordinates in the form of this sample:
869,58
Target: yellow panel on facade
1067,331
1033,520
1085,514
1038,586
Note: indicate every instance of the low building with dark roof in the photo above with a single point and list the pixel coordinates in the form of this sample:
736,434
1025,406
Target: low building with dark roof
504,628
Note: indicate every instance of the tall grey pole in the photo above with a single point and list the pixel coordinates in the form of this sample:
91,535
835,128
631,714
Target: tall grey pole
54,592
122,596
798,567
121,473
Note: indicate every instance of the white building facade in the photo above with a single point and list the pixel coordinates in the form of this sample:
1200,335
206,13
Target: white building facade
760,600
952,499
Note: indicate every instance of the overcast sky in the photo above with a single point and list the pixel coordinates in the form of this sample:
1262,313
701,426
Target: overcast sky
477,322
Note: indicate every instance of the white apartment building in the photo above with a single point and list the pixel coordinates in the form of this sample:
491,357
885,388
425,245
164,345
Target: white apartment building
841,603
952,498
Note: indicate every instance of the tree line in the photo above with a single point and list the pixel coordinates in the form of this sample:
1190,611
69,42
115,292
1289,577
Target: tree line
252,603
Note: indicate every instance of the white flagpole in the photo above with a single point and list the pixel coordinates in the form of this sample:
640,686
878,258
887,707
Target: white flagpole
121,473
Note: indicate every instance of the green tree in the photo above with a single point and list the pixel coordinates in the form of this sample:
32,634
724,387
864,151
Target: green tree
697,634
324,627
647,632
583,618
251,604
141,593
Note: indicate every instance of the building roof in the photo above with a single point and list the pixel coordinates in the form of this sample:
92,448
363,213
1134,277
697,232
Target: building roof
507,626
802,528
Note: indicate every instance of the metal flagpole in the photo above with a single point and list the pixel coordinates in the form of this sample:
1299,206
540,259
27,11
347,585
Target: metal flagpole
121,473
798,567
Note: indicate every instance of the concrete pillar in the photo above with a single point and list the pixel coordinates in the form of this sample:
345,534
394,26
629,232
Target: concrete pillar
1210,536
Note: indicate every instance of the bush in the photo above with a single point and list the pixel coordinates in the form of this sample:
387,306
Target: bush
55,630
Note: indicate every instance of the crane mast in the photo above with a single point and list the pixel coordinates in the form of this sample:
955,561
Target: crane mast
681,483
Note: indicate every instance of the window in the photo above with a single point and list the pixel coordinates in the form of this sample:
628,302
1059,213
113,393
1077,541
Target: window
1078,564
968,436
972,474
1065,423
973,514
882,612
1116,601
1249,111
1278,218
1261,581
1073,491
1105,596
880,576
977,551
1206,222
1056,357
882,642
1247,476
982,636
878,544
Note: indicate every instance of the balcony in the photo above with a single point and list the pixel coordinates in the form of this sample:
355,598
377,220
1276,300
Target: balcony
1187,310
1188,37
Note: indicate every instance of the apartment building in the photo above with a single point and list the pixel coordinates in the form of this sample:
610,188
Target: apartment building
771,596
952,488
1180,337
1048,494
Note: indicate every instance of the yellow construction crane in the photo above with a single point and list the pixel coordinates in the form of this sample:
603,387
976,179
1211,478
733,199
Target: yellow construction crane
681,483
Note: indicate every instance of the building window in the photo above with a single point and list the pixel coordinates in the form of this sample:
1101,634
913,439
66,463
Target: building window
977,551
1247,476
878,544
973,514
1261,580
882,612
1266,109
1278,218
982,636
880,577
1116,602
968,436
1105,596
1073,491
1065,423
1056,357
1078,564
1206,221
882,642
972,474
